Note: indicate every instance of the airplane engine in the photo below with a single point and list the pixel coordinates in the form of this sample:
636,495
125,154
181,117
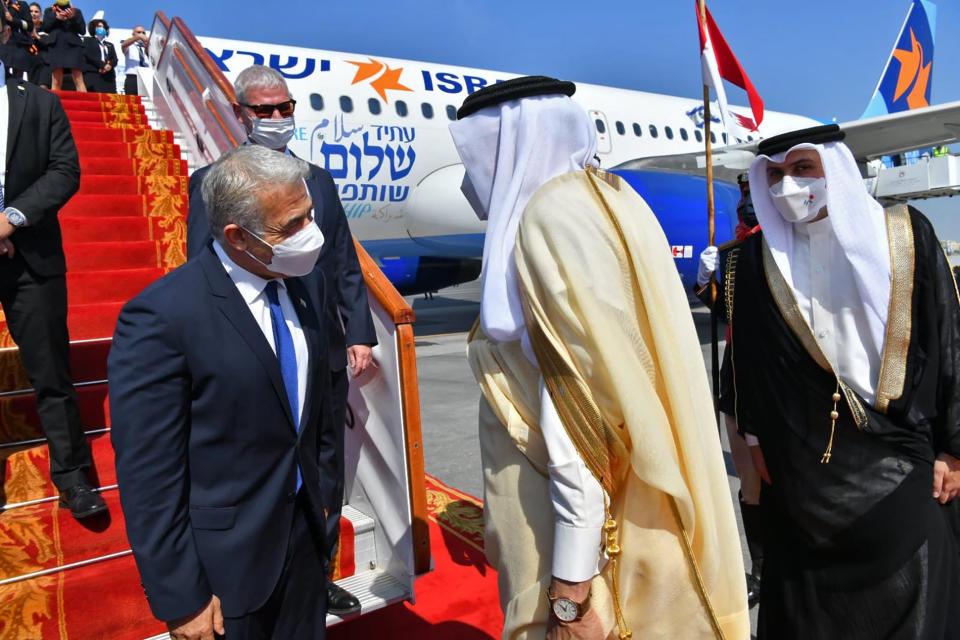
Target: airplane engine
680,204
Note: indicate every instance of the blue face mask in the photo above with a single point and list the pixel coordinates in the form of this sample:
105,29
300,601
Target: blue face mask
101,32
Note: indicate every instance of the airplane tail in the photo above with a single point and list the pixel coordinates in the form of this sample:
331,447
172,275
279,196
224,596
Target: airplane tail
906,79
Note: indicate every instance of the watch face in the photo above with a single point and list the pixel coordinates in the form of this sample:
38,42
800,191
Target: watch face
565,609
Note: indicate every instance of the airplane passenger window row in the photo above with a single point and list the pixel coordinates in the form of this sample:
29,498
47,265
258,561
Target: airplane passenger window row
376,108
654,132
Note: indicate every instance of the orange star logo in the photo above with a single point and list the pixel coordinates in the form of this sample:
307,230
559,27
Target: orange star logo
912,72
389,79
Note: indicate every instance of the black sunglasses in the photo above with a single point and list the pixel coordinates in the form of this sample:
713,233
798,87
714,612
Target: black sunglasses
266,110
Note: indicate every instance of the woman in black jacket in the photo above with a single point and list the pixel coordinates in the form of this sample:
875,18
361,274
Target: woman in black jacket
18,54
65,25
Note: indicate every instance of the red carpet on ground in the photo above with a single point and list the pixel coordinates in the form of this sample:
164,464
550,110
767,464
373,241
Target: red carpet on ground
456,601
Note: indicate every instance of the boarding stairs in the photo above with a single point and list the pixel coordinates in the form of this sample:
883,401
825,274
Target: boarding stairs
126,227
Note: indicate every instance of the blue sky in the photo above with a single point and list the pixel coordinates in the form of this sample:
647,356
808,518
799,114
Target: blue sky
820,58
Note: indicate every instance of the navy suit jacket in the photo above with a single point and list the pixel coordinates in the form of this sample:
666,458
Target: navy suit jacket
206,448
337,262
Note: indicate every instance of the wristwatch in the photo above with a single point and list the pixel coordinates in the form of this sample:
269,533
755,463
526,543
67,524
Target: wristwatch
15,217
566,610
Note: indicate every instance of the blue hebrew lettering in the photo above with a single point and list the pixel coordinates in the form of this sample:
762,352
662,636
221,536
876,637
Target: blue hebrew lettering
309,66
352,188
355,152
336,150
398,194
397,170
408,134
363,191
257,58
227,54
372,151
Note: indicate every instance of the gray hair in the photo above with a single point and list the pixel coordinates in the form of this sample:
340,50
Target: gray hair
232,187
257,77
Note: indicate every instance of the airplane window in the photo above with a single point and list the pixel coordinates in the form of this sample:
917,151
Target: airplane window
451,112
427,110
669,132
401,108
750,138
683,134
620,128
602,128
653,130
698,135
637,130
724,138
316,101
374,105
346,104
713,137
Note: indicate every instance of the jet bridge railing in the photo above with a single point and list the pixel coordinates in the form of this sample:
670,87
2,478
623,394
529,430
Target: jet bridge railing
385,469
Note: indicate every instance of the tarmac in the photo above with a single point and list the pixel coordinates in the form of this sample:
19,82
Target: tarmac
449,394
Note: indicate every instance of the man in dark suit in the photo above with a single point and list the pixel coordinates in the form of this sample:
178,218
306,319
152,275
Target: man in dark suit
100,58
42,173
265,110
220,403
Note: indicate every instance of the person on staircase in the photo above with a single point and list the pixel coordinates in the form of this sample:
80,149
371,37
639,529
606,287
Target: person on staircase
136,52
40,73
33,289
16,52
265,109
100,58
64,24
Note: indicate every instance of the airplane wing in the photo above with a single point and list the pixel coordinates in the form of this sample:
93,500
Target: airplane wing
868,139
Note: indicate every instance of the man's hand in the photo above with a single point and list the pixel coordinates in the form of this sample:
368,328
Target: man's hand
756,454
589,627
107,67
360,358
199,626
6,229
6,248
946,478
708,265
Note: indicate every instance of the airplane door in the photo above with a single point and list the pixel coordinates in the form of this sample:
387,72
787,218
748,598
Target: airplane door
604,144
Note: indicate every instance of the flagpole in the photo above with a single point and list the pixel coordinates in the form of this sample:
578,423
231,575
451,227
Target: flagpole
711,238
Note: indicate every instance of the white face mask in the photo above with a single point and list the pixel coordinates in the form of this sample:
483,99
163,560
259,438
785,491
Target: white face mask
466,188
273,133
297,255
799,199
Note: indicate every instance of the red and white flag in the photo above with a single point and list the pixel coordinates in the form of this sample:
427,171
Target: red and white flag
720,64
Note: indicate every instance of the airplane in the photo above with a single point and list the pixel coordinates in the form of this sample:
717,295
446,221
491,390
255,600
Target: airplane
379,125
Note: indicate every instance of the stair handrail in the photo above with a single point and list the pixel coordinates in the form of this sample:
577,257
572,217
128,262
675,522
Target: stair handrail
183,69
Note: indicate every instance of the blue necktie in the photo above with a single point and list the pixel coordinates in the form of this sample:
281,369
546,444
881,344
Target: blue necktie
286,355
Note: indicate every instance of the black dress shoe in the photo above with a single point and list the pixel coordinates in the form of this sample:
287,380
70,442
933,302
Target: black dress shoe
83,501
753,590
340,602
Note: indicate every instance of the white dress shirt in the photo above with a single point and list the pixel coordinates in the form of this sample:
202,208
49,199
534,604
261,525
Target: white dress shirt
131,57
252,290
4,126
828,298
577,499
